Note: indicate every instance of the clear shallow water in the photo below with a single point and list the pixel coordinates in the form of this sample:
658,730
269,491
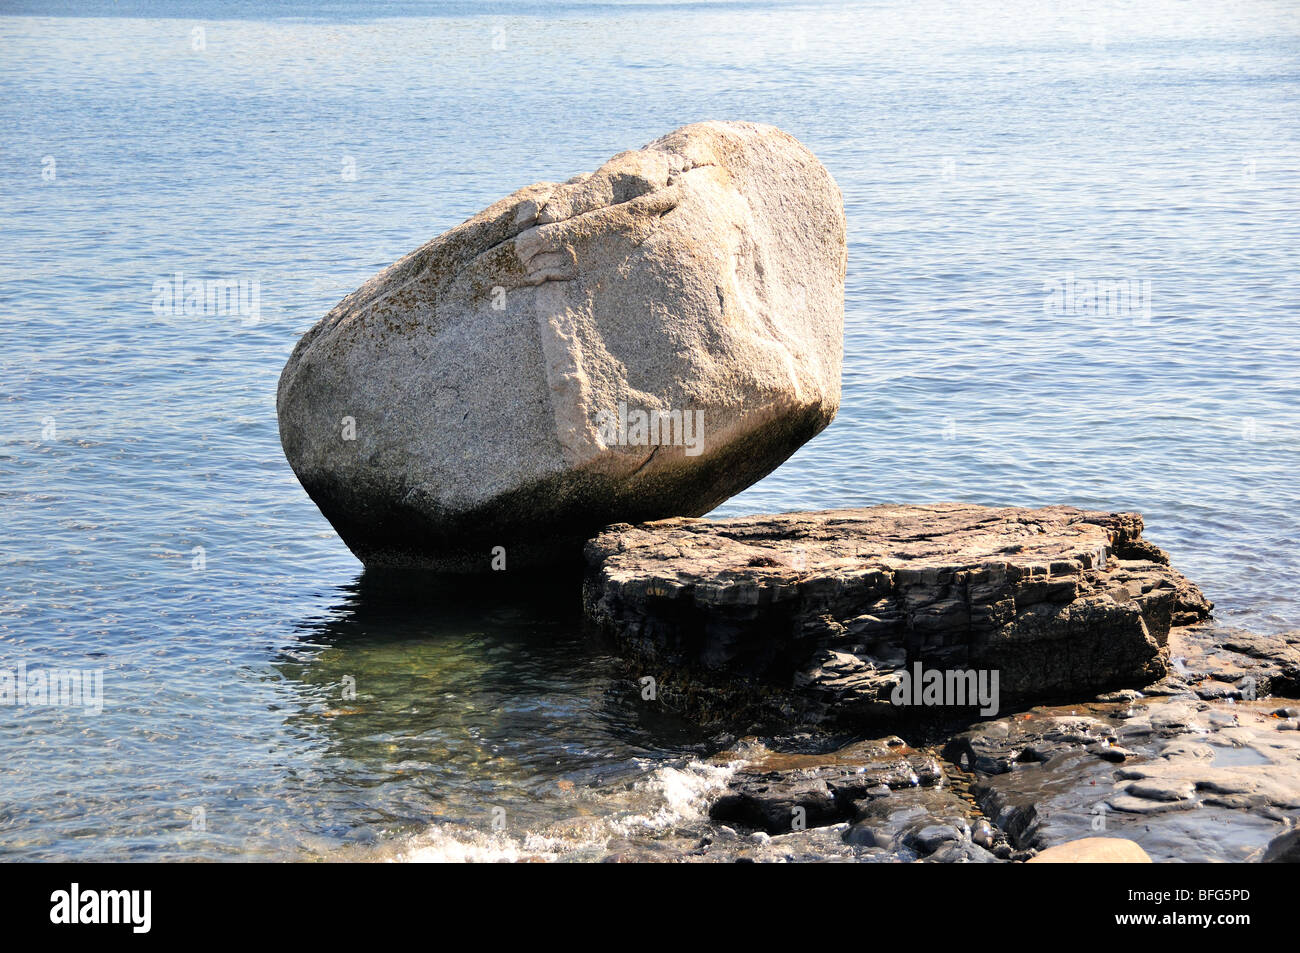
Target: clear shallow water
981,155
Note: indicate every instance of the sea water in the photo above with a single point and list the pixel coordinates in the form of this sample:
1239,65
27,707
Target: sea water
1073,277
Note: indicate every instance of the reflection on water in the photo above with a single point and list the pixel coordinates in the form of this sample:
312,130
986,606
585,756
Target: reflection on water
481,709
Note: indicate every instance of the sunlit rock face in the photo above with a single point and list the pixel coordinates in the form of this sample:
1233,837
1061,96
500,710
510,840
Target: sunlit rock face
639,342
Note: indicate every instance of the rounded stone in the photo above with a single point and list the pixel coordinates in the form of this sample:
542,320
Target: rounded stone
1093,850
640,342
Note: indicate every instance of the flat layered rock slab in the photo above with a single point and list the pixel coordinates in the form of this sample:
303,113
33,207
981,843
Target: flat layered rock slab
1219,662
832,610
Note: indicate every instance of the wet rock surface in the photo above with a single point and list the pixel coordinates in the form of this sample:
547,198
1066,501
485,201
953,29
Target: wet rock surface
1284,849
1157,772
878,800
1197,780
776,792
1221,662
813,618
1160,772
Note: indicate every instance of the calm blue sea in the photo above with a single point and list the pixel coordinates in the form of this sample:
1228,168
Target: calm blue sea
259,699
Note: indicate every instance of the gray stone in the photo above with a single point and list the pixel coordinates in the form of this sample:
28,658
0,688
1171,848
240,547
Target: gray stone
1178,796
1108,752
961,853
773,789
1284,849
1222,662
1157,790
982,834
829,610
868,834
499,380
927,839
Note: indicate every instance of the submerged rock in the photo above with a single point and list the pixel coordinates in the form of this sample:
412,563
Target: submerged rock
639,342
823,617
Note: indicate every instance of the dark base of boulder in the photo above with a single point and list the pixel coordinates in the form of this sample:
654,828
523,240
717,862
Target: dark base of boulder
542,527
821,618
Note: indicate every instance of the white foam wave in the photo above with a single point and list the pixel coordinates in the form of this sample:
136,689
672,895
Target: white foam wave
667,798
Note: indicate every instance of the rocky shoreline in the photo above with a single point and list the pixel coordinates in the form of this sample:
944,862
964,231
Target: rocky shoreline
1182,771
1184,779
1124,714
640,343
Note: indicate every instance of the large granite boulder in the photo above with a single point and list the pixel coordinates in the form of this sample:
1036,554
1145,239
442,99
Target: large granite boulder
824,617
639,342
